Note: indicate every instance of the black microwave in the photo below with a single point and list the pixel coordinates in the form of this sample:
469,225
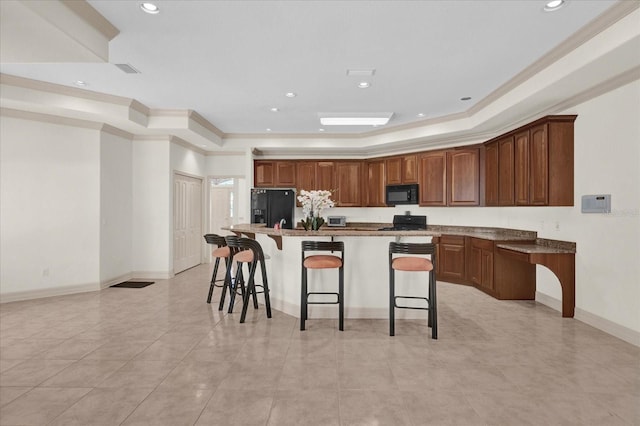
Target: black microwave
402,194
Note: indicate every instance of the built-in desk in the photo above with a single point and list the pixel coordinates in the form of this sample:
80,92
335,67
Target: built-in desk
558,256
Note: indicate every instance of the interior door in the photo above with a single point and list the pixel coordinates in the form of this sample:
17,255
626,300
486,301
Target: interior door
187,222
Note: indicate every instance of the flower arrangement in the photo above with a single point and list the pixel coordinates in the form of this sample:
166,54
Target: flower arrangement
313,202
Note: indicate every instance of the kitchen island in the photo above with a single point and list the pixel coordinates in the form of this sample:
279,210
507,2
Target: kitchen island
474,259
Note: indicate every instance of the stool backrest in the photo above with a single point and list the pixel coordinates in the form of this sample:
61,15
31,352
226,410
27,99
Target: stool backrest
215,239
253,245
323,246
412,248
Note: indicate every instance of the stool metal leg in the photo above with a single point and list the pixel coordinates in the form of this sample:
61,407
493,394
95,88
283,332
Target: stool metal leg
341,296
226,285
239,281
251,289
392,304
433,306
213,279
265,286
303,298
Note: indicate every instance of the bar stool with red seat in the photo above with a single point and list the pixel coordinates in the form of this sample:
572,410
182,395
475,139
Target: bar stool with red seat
251,253
413,264
222,251
322,261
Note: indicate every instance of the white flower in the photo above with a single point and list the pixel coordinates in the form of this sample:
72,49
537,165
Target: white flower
313,202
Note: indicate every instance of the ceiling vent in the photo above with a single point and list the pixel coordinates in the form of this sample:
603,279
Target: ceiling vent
127,68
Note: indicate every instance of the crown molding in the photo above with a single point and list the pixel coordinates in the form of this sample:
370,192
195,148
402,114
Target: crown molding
92,17
51,119
116,132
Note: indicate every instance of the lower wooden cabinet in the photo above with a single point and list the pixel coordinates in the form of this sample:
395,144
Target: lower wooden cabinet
451,259
481,263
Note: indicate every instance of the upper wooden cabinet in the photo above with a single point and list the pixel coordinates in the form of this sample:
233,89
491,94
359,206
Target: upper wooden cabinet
491,174
433,178
506,174
285,174
450,178
306,175
375,183
348,182
274,174
264,174
402,169
326,176
535,164
463,177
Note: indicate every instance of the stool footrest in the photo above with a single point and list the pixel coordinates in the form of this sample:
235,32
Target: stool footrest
323,303
395,303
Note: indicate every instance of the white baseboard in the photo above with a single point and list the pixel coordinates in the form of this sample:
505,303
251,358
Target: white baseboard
113,281
610,327
48,292
152,275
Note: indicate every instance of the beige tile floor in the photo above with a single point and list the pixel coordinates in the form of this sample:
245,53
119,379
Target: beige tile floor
162,356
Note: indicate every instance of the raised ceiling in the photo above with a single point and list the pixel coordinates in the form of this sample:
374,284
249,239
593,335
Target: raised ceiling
233,61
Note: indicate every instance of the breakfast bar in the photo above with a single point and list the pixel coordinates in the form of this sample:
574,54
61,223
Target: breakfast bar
509,274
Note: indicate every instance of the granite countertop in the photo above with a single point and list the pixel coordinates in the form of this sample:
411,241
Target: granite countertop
541,246
373,229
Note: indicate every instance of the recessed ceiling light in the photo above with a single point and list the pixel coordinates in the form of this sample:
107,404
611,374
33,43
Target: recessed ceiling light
421,114
150,8
268,130
466,98
321,130
80,83
290,95
364,85
553,5
274,109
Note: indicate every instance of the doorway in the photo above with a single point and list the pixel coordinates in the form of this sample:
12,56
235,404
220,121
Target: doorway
226,203
187,222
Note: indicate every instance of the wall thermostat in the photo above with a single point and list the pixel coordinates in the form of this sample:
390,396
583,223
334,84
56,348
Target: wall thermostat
600,203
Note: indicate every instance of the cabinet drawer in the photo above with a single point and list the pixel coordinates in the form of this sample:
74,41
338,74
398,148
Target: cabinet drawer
452,239
482,244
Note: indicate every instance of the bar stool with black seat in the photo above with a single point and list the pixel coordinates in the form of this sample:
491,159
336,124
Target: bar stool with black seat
252,255
221,251
413,264
322,261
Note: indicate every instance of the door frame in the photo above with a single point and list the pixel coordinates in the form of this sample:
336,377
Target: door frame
202,213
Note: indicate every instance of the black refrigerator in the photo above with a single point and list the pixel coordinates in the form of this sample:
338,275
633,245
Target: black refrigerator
271,206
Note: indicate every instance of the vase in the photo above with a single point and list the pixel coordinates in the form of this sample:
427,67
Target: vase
312,223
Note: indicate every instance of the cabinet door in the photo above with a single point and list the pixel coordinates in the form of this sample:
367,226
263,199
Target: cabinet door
539,166
452,264
475,265
375,184
433,179
285,174
463,177
305,175
410,169
491,174
393,168
486,268
521,166
348,182
326,176
505,172
263,174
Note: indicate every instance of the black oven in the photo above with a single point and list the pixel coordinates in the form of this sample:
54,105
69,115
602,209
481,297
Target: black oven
402,194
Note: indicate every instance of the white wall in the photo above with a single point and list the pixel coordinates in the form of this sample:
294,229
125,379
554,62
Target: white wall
151,208
116,208
49,208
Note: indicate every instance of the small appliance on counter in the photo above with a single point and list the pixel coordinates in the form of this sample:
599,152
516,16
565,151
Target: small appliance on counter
338,221
273,206
402,194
